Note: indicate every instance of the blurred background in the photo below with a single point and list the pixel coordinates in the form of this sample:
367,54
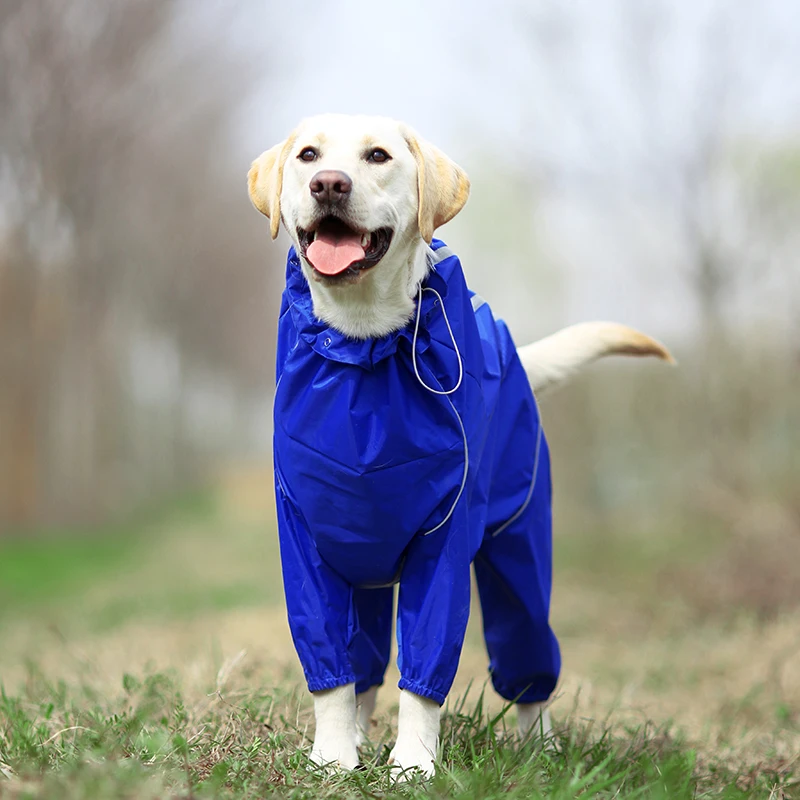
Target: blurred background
630,161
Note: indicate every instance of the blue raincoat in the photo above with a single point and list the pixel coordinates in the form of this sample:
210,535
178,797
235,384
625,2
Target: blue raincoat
406,459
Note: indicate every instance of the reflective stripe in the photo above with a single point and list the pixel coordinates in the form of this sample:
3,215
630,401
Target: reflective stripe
435,256
514,517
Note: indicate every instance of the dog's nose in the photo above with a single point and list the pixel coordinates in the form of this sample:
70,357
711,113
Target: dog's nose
330,186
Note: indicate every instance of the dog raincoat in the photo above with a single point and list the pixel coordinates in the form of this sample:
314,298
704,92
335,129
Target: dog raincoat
405,459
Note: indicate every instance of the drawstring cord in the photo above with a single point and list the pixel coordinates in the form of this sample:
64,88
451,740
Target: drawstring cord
452,339
445,393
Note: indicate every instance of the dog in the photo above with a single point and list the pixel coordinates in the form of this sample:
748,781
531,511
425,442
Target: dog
408,443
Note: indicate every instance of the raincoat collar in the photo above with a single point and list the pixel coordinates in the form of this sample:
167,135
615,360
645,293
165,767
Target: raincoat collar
367,353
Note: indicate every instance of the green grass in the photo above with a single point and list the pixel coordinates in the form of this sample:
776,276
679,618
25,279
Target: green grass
172,561
39,566
34,570
152,741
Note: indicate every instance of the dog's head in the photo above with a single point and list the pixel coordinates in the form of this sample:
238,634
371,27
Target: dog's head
353,191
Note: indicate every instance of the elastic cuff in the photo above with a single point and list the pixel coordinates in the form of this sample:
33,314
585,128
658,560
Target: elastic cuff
535,692
422,691
320,684
365,686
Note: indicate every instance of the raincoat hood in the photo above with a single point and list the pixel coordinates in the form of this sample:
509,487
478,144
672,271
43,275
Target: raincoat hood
330,343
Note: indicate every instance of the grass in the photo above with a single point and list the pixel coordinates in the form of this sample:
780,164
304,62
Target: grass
152,740
152,660
171,562
56,564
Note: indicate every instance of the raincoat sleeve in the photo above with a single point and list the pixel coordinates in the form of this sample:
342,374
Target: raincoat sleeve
433,608
318,602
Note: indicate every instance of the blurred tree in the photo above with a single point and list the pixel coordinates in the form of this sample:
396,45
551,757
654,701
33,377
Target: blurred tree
652,101
131,294
657,135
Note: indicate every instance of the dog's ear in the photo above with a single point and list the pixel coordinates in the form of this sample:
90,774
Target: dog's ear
265,181
442,186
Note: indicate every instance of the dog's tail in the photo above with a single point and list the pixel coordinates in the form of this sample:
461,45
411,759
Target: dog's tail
554,359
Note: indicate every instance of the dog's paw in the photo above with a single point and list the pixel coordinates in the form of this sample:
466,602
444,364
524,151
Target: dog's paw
417,736
533,720
335,754
410,757
335,738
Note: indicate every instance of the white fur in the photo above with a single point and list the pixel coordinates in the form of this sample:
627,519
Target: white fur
554,359
372,304
335,737
417,735
534,719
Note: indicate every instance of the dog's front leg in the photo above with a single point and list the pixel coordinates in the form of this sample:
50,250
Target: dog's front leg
320,609
417,734
534,719
365,708
335,737
433,607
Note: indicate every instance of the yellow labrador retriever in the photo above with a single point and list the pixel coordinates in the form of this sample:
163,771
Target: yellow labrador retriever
368,290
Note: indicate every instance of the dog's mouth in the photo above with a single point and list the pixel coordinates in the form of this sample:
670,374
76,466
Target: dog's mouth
335,249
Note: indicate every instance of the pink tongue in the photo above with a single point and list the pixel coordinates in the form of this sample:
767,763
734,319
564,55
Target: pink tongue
331,253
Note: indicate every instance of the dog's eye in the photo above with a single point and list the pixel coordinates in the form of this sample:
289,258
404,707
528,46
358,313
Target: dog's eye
308,154
378,156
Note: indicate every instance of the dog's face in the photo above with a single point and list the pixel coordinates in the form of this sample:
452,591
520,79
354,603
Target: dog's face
355,194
